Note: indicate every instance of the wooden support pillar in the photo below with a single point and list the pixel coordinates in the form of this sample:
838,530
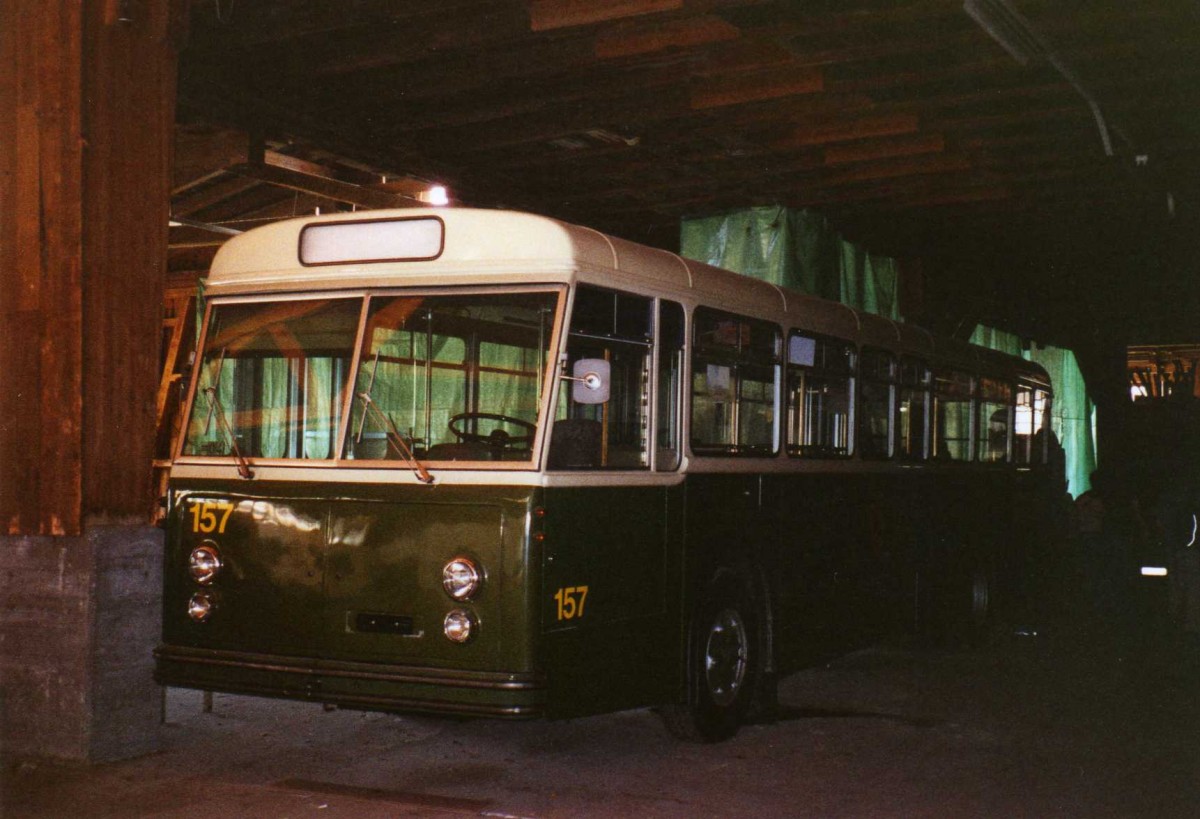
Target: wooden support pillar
87,111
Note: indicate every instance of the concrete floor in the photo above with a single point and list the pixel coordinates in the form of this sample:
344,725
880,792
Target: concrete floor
1054,725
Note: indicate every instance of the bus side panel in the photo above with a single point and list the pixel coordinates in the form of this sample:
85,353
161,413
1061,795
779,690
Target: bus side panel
728,527
835,560
610,597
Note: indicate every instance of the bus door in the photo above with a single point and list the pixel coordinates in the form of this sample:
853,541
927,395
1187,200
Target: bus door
609,592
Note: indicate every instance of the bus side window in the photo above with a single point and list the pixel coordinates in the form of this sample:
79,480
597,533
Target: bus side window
1046,447
995,396
913,412
820,383
615,327
953,397
670,337
877,379
735,373
1023,426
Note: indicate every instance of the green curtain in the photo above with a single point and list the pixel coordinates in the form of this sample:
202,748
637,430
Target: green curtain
1073,415
398,386
795,249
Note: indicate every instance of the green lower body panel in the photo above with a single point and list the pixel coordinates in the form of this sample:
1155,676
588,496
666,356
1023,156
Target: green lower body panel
371,686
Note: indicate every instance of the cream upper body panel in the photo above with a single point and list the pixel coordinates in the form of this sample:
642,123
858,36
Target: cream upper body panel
491,247
478,247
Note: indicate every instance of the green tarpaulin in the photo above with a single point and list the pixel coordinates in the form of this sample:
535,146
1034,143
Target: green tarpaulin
1073,414
795,249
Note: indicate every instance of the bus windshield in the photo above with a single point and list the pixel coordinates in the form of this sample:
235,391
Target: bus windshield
445,377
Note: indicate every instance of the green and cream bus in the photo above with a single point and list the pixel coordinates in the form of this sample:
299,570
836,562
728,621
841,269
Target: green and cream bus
487,463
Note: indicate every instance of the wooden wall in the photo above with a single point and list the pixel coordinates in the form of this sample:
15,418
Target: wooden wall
86,110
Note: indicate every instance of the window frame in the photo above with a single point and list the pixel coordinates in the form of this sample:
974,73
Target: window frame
702,355
647,342
891,382
954,377
922,384
795,450
994,391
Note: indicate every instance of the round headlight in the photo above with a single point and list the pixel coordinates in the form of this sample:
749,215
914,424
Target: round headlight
201,606
204,562
459,626
461,578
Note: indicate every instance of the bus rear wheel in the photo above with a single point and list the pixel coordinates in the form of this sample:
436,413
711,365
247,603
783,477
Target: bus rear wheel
722,665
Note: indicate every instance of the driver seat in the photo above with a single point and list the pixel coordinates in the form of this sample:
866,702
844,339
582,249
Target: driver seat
576,444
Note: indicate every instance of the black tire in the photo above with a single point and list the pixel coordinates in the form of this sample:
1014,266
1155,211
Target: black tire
723,664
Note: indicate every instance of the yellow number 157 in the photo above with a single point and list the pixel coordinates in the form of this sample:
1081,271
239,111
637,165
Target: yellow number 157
570,601
204,516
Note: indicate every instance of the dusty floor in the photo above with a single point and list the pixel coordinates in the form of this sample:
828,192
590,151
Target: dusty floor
1054,725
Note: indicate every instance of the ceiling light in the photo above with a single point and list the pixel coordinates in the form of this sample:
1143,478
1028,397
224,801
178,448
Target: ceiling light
436,195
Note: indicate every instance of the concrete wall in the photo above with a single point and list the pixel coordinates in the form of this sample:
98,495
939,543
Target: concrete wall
79,618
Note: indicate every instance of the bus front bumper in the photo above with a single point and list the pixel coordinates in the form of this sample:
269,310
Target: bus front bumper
366,686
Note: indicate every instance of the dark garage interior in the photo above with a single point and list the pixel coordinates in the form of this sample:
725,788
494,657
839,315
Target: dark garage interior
1021,169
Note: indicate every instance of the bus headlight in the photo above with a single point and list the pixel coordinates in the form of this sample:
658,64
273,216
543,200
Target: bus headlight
459,626
201,606
204,562
461,578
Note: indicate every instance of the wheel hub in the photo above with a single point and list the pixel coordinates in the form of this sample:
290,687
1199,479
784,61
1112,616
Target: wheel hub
725,653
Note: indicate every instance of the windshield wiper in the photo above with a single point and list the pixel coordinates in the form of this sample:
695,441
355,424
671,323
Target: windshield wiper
215,408
395,438
216,379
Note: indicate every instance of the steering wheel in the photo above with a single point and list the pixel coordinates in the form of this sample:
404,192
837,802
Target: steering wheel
498,437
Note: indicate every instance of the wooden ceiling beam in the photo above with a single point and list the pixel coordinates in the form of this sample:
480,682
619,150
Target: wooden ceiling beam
227,188
777,83
636,40
897,167
544,123
436,38
200,150
548,15
886,148
191,258
262,24
815,19
911,185
445,78
350,194
895,124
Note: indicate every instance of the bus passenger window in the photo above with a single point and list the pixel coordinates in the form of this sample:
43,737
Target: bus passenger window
1046,448
1023,426
995,396
877,373
670,386
735,362
952,402
913,415
820,383
615,327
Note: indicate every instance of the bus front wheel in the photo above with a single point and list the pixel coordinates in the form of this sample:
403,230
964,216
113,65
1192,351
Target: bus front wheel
722,665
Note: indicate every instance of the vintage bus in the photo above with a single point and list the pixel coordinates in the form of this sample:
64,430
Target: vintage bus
486,463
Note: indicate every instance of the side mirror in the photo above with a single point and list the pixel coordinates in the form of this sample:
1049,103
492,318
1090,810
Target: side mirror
591,377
